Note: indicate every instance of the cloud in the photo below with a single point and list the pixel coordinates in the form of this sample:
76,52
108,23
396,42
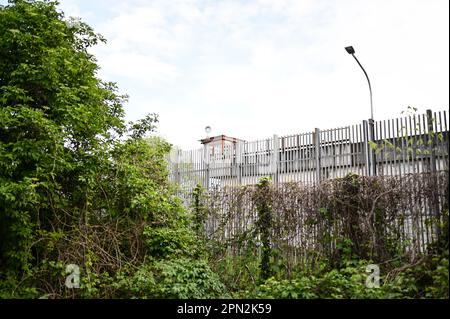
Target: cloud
141,69
254,68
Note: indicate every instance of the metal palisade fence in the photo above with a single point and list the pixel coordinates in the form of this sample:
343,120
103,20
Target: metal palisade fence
402,165
410,144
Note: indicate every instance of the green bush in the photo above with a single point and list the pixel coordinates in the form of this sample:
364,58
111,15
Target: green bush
170,242
187,278
347,282
428,279
78,185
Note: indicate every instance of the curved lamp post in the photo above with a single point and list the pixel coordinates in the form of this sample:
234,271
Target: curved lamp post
351,51
371,159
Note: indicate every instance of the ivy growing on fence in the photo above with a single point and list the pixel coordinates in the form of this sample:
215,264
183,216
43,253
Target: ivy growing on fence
264,224
373,218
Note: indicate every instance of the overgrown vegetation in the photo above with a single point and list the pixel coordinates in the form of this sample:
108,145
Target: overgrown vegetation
323,237
79,186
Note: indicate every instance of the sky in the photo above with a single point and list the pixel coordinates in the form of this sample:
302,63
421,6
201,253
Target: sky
251,69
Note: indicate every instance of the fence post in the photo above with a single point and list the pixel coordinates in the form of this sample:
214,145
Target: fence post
206,158
434,200
367,149
373,158
275,160
433,143
238,154
316,136
177,166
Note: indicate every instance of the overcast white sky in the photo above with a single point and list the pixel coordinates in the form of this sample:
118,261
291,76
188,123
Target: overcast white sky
251,69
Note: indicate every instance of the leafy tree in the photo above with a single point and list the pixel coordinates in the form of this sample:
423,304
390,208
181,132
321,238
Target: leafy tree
57,119
77,184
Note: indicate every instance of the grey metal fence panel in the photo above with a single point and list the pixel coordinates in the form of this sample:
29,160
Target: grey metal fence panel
404,145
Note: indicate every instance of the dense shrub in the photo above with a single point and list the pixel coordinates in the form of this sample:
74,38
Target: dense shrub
78,185
187,278
427,279
339,223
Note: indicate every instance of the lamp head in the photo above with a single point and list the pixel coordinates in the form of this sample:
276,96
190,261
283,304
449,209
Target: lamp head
350,50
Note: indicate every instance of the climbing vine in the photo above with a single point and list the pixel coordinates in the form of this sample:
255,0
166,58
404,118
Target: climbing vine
264,224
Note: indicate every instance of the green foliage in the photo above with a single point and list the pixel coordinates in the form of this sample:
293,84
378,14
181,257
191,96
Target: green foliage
238,273
183,278
55,117
264,224
347,282
137,130
418,281
199,212
407,146
439,286
426,278
170,242
354,222
187,278
74,187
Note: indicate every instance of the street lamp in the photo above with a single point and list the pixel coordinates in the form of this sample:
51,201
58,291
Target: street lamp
351,51
371,159
208,130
